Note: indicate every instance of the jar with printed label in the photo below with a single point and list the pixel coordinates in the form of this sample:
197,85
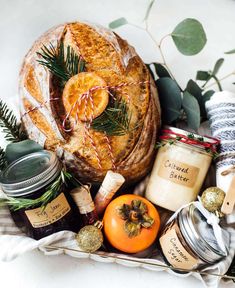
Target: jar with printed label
180,168
188,242
29,178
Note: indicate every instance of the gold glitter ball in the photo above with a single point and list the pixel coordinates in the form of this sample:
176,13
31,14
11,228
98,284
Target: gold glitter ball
212,199
90,238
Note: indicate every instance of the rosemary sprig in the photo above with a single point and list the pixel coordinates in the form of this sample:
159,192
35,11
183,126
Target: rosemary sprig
12,130
52,192
62,65
115,120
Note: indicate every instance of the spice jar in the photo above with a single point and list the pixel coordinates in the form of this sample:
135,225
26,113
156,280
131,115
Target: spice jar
180,168
29,178
188,241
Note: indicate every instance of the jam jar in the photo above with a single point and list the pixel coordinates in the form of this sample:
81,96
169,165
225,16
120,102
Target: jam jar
188,241
29,177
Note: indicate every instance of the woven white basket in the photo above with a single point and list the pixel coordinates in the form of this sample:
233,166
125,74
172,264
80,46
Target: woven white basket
14,243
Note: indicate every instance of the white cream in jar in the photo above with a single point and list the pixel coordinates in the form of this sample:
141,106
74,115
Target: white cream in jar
179,169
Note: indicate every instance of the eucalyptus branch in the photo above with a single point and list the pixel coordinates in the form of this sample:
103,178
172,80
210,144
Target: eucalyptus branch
220,80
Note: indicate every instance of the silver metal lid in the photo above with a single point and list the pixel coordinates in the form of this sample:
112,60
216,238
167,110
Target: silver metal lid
200,236
30,173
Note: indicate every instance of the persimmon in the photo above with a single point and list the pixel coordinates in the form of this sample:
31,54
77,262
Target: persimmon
131,223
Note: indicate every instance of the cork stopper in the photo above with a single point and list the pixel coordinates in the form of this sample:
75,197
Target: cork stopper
82,198
112,182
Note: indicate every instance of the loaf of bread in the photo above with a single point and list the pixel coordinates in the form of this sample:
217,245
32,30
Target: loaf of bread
86,151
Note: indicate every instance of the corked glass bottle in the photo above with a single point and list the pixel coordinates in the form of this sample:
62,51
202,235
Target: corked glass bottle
85,204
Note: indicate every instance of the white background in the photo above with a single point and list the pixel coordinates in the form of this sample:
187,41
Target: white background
22,21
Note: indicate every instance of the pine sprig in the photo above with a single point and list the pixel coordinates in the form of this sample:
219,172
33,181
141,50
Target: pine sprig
12,130
115,120
3,161
62,65
52,192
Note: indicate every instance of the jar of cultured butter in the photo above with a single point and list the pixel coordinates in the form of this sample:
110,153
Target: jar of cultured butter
180,168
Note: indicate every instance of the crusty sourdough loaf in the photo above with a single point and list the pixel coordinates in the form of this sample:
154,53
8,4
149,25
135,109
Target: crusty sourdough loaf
42,107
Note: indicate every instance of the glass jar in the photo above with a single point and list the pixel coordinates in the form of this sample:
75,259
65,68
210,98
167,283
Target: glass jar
180,168
188,242
29,177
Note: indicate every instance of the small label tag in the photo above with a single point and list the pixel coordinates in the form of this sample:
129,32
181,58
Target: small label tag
54,211
175,252
178,172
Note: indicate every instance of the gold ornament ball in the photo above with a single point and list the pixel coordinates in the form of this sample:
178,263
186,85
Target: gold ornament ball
90,238
212,199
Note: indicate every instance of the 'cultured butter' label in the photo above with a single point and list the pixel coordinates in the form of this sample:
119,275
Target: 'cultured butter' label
54,211
178,172
175,252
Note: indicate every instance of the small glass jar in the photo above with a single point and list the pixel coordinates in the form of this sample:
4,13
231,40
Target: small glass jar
188,242
29,177
179,169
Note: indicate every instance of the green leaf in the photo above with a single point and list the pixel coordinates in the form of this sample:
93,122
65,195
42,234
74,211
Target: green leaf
192,109
149,9
196,91
189,36
203,75
230,52
170,99
217,66
161,71
19,149
117,23
207,96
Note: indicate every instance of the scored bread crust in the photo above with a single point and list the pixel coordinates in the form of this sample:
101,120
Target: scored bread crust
43,112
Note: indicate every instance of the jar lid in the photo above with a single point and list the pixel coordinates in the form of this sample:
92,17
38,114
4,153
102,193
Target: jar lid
186,137
200,235
30,173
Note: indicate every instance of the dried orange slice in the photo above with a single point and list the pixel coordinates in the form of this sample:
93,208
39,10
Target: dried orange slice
73,96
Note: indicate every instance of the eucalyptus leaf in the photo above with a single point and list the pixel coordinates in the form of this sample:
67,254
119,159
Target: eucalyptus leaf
189,36
207,96
217,66
149,9
161,71
193,88
19,149
230,52
196,91
192,110
170,99
117,23
203,75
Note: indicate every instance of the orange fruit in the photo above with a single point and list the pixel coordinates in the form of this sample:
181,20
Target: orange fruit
94,105
116,224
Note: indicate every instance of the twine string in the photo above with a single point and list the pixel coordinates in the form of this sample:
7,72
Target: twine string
169,134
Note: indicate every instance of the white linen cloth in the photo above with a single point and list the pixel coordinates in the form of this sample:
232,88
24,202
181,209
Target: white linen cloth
221,113
14,243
